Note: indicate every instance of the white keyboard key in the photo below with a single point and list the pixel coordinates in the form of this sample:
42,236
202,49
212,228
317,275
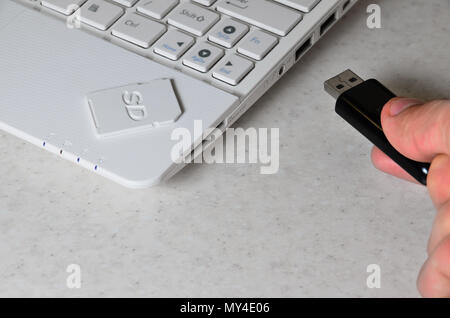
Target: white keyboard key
233,69
207,3
157,9
227,33
100,14
262,13
126,3
193,18
66,7
257,45
173,45
302,5
138,30
202,57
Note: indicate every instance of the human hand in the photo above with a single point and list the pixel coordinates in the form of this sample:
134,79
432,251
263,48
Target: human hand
422,132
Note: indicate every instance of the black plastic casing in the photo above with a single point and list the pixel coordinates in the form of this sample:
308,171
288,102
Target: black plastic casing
361,107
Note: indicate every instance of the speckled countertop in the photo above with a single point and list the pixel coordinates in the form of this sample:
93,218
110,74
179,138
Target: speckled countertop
226,230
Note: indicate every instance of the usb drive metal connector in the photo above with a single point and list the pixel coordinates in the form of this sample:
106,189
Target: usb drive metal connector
360,103
343,82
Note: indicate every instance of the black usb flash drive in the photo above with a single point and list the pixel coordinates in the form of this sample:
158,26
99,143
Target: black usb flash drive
360,103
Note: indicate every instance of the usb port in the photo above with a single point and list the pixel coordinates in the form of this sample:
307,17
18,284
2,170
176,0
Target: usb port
327,24
346,5
302,49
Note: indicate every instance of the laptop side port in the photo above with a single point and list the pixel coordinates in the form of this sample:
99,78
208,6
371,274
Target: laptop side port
328,23
303,48
346,5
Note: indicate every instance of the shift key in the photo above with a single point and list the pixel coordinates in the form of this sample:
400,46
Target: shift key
193,18
262,13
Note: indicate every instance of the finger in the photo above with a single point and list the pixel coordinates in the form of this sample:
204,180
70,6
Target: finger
439,180
441,228
382,162
434,278
439,188
419,132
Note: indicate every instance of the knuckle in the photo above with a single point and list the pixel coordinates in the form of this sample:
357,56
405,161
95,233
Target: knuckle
436,174
431,129
443,254
441,120
443,219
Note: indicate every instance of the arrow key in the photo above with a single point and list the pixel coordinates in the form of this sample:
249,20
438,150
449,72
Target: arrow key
227,33
173,45
233,69
203,57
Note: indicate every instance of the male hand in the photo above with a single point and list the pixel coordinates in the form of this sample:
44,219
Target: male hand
422,132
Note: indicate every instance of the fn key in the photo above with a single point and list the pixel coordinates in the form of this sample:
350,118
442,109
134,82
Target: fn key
233,69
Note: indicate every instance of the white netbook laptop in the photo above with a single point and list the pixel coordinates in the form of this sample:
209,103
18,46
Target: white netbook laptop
103,83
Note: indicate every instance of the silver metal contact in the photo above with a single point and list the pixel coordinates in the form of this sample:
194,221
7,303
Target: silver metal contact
341,83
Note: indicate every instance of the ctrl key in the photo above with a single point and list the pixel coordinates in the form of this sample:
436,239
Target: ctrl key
233,69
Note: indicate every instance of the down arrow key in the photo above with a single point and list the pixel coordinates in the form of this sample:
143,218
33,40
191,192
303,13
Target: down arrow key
233,70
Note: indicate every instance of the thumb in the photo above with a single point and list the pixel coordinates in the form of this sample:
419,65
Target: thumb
419,131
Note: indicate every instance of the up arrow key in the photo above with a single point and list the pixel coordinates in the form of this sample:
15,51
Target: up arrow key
229,64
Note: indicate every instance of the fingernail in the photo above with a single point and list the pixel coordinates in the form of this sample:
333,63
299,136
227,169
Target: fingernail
400,104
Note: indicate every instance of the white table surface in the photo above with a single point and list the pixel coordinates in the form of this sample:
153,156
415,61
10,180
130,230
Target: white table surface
226,230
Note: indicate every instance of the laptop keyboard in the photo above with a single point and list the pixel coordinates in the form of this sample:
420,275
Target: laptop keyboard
198,32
